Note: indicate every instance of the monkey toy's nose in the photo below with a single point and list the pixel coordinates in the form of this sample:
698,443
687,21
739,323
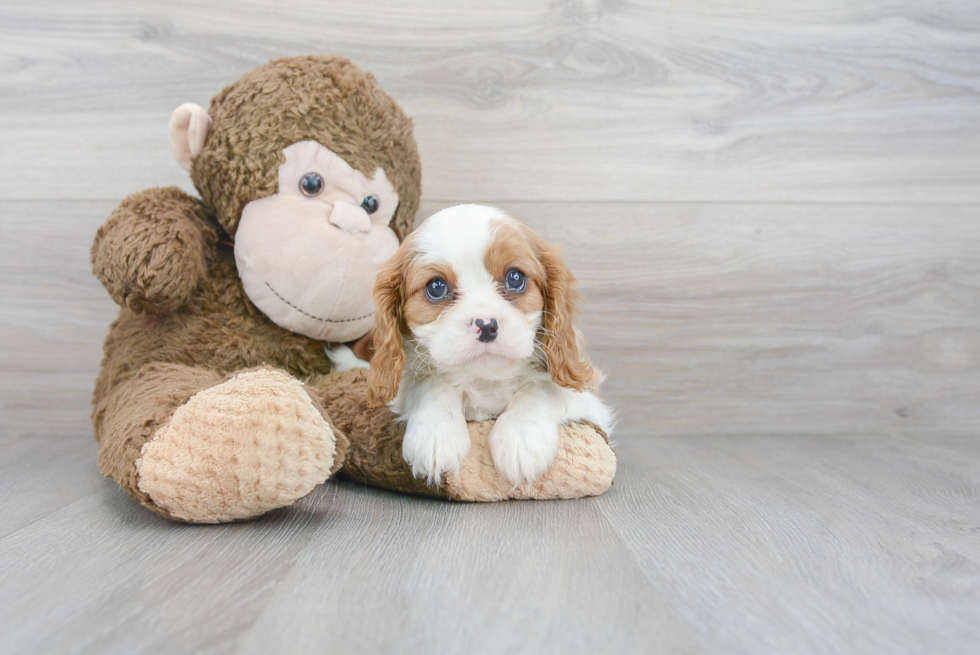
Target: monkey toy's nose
488,329
350,218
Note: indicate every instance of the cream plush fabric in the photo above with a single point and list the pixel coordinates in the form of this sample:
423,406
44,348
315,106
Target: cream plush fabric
249,445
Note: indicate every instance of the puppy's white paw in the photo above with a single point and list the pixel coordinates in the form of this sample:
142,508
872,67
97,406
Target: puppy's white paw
522,447
435,444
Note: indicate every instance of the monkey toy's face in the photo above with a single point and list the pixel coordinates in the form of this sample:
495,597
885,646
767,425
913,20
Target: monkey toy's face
308,255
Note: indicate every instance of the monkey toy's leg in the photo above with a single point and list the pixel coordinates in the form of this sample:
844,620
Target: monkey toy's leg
585,464
200,447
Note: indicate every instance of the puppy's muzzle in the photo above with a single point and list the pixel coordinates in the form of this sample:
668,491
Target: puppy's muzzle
488,329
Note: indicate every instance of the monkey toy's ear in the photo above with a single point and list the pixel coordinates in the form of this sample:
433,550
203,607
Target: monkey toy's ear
189,127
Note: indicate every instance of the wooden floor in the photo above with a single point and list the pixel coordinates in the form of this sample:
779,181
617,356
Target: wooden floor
782,544
774,211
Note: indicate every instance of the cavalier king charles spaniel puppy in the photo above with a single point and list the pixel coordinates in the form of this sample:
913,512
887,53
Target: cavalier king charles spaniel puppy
475,321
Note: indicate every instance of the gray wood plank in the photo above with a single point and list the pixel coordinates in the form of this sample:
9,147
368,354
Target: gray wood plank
857,544
104,575
708,318
842,101
44,475
809,545
54,316
398,575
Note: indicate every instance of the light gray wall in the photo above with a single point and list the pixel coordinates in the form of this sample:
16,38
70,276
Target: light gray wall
773,210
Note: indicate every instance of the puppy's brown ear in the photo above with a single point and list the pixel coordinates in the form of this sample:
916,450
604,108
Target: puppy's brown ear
388,360
567,362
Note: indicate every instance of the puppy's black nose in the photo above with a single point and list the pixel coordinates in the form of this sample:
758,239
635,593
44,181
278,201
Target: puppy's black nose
488,330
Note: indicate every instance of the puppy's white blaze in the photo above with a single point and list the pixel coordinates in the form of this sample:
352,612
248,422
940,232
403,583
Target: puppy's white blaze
459,234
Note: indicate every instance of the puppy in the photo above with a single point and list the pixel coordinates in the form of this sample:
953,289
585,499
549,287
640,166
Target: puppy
475,321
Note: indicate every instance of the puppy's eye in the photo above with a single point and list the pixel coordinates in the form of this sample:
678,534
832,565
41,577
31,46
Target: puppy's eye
311,184
436,289
370,204
515,281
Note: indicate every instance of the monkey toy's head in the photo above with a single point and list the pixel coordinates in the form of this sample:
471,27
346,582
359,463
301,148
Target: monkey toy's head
313,172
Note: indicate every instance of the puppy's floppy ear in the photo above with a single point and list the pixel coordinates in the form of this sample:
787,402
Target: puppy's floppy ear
567,362
388,360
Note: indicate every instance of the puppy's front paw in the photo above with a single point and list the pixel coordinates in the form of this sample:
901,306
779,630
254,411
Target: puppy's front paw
435,445
522,448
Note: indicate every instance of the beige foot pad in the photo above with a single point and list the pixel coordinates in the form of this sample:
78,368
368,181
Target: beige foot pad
585,466
239,449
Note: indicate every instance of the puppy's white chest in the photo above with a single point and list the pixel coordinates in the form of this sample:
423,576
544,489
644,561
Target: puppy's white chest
487,399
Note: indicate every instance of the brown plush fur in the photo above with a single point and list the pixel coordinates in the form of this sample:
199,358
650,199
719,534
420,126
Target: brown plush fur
375,455
129,414
186,325
324,99
167,249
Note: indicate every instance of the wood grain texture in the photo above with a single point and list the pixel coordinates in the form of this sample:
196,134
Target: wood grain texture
438,577
708,318
98,575
773,212
54,316
803,544
579,100
790,543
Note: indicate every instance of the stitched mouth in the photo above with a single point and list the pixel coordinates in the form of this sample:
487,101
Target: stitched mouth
317,318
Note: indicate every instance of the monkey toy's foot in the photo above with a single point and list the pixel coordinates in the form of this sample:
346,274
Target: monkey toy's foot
585,466
251,444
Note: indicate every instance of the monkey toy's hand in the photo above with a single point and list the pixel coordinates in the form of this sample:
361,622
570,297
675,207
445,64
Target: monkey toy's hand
152,252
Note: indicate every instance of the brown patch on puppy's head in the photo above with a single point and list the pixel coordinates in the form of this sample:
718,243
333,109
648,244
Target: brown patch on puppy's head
419,310
326,99
512,248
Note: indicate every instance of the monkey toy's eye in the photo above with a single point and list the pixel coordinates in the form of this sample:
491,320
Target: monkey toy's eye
311,184
370,204
515,281
436,289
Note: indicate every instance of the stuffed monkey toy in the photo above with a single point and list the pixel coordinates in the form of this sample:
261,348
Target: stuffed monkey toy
216,401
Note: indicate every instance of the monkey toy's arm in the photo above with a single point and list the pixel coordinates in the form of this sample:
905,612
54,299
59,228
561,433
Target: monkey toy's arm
152,252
